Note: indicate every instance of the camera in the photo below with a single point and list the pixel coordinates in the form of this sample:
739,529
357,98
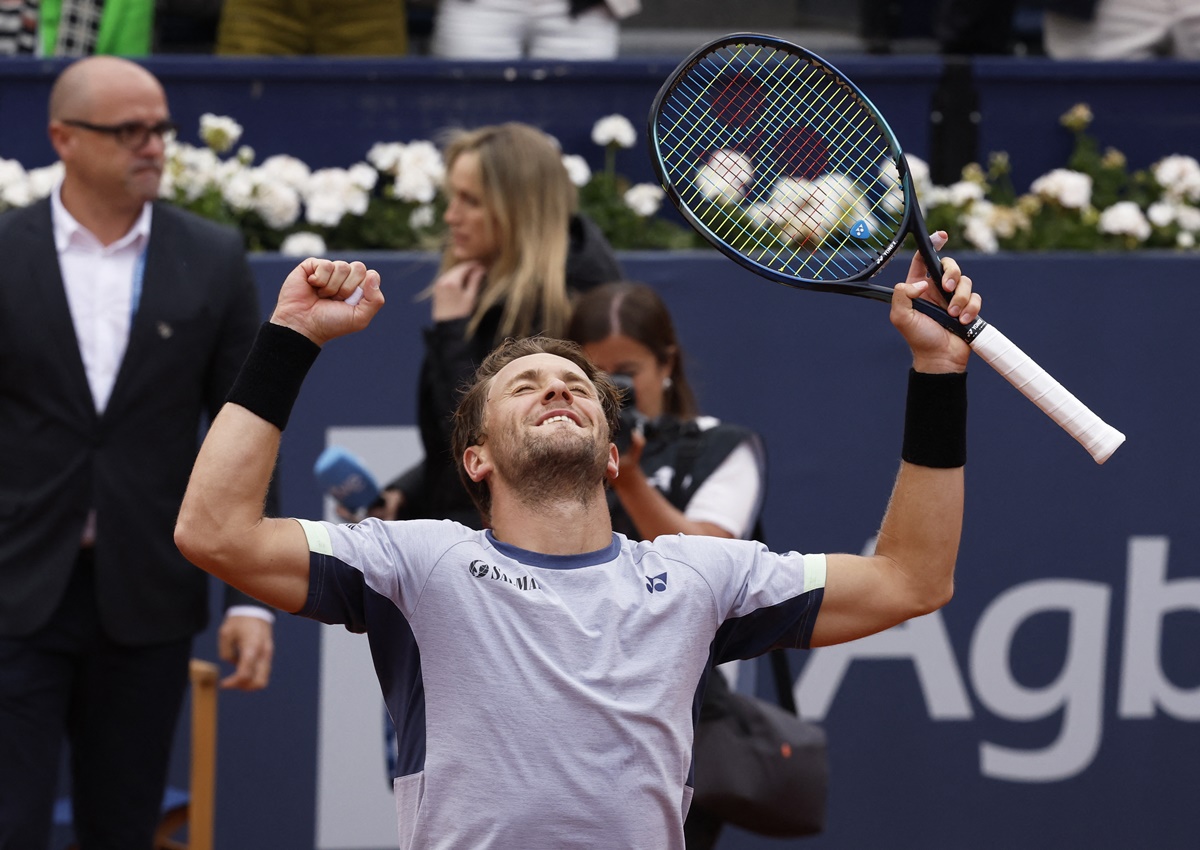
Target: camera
630,418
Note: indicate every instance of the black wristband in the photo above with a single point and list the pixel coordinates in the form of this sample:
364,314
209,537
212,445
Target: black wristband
935,420
274,369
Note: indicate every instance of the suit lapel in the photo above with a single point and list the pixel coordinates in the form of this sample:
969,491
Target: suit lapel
48,302
148,327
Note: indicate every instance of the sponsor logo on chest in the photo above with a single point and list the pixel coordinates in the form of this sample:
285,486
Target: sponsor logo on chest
482,570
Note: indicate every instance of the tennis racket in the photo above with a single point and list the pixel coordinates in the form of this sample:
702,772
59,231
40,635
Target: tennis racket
786,167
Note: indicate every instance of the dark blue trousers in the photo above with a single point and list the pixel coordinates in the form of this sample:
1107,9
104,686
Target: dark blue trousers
116,706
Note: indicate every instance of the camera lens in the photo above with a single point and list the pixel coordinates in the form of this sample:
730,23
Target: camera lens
629,419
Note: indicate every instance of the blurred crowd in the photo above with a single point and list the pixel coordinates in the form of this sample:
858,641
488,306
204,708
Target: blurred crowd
587,29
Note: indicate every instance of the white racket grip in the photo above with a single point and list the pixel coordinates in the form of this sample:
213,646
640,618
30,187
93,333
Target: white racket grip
1020,370
355,297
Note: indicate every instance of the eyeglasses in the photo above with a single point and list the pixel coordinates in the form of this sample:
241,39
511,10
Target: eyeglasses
130,134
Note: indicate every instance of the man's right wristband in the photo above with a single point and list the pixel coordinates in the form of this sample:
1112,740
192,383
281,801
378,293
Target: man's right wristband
274,369
935,420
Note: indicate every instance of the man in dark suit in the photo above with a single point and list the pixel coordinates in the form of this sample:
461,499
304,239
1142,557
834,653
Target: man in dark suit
123,322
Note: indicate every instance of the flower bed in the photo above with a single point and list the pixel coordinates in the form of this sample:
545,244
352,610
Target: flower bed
392,199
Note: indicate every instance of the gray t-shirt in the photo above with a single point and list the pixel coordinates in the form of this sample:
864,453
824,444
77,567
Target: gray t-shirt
548,701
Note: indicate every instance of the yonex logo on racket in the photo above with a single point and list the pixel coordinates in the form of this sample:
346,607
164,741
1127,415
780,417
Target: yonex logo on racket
860,230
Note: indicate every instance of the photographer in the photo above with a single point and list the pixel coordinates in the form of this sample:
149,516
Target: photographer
680,472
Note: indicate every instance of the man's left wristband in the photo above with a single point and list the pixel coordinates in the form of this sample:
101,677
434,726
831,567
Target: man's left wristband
270,379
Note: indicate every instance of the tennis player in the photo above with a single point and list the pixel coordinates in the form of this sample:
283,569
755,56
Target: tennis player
544,674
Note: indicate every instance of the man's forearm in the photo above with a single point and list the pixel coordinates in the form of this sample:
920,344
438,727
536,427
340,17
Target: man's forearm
923,523
227,489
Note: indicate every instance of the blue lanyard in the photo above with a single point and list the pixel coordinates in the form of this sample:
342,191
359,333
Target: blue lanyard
139,271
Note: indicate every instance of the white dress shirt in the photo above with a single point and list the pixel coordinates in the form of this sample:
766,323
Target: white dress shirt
100,282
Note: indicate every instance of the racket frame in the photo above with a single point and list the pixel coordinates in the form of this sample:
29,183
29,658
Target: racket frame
1098,437
911,222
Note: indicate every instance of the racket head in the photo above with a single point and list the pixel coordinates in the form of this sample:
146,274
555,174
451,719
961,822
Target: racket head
784,165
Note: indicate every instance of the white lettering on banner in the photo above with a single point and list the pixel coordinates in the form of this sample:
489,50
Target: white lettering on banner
923,640
1151,596
1078,689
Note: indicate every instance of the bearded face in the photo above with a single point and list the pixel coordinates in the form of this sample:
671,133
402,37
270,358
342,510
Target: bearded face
545,432
554,460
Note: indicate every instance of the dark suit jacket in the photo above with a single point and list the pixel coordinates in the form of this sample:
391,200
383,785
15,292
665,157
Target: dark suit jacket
197,317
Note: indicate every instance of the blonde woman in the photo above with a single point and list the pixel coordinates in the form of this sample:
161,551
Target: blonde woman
516,250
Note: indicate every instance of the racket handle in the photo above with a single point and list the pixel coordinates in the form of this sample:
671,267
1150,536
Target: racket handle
1020,370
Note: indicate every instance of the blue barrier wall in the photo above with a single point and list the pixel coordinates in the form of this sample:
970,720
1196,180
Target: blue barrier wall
328,112
1053,703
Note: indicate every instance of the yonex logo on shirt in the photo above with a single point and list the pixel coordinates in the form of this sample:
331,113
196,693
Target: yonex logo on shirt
481,570
658,582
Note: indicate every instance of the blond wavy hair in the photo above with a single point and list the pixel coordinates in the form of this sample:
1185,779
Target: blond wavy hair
530,196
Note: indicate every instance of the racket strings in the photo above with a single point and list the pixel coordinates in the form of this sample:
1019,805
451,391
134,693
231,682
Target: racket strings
845,134
781,160
855,137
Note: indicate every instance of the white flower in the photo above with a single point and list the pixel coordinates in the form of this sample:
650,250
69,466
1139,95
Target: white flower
11,171
1071,189
1161,213
979,227
891,202
286,169
14,184
245,155
1185,239
614,130
981,235
425,158
1165,213
810,211
43,180
325,209
1005,221
578,170
166,186
918,172
418,168
644,199
938,196
363,176
277,203
193,170
760,214
385,156
422,217
723,179
219,132
303,244
1125,218
1179,176
788,209
412,185
964,192
238,190
1187,216
330,194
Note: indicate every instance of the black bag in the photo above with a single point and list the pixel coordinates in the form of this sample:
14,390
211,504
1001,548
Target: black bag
758,766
